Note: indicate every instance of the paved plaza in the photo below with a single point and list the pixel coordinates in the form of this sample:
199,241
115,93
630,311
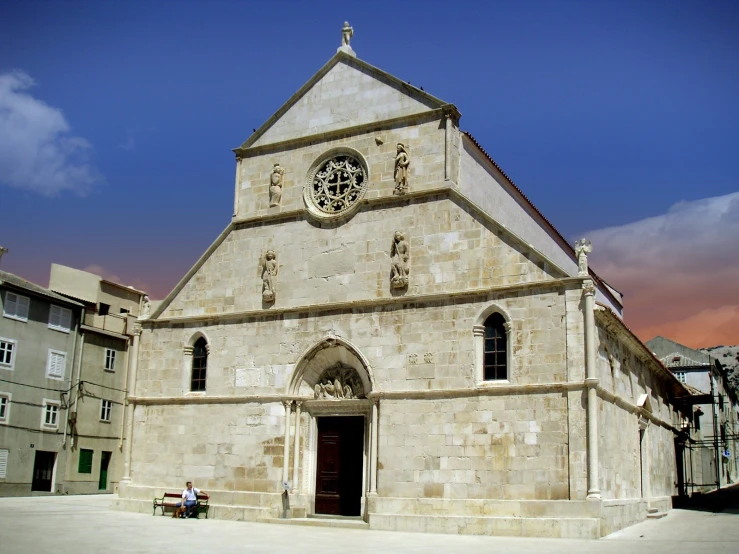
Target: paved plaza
74,524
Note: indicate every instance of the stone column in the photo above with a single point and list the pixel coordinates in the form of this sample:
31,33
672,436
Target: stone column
296,448
449,122
133,364
478,332
373,447
286,452
591,382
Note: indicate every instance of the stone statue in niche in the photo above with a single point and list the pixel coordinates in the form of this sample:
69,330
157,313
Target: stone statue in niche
402,161
399,257
582,249
339,383
269,276
347,32
275,185
145,308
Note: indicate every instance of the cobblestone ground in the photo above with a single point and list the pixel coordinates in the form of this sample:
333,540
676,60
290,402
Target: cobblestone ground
75,524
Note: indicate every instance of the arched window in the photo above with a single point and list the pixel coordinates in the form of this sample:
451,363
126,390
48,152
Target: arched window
199,365
495,360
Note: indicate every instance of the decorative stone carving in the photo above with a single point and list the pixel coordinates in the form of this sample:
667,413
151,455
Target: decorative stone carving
412,358
269,276
399,256
402,161
339,382
582,249
145,308
275,185
428,358
347,32
588,287
337,185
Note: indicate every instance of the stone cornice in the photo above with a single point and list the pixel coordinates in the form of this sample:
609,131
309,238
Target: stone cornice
430,115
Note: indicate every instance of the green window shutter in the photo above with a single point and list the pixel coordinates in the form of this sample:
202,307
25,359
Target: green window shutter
85,465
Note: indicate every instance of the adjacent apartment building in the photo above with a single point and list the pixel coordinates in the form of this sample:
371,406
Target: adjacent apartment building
63,357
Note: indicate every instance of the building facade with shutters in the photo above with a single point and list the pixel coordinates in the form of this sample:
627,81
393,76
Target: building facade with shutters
38,351
388,328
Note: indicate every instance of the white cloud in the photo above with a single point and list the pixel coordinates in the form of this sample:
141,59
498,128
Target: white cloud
37,151
676,266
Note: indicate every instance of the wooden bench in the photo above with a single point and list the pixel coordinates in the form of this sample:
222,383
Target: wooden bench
170,500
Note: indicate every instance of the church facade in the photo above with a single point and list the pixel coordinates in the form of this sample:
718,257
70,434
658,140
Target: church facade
389,329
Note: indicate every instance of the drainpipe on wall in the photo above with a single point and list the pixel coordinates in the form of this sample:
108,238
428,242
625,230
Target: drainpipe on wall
77,355
717,460
77,386
591,382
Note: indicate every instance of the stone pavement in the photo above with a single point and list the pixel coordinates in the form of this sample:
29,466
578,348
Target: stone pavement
73,524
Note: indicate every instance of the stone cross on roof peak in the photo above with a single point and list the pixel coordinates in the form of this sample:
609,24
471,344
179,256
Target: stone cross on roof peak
346,34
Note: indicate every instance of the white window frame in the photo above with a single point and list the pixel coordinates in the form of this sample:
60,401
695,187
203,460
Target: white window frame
49,375
106,410
60,315
48,404
681,376
18,302
4,455
109,364
13,353
5,417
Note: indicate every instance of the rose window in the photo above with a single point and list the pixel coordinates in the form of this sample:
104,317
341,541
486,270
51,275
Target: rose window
337,184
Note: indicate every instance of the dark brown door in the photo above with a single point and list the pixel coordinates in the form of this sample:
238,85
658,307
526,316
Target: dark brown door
339,468
43,471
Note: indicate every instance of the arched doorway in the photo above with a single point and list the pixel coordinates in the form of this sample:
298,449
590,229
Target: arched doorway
340,452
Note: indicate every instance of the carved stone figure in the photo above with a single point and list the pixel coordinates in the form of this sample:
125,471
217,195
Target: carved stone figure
145,308
347,32
402,161
337,383
275,185
582,249
399,257
269,276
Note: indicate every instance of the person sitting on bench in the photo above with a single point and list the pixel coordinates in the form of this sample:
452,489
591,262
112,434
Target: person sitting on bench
190,500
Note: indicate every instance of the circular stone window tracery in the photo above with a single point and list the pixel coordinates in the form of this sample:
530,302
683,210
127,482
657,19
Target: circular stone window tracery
336,184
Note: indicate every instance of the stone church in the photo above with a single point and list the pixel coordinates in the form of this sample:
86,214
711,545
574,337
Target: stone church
389,329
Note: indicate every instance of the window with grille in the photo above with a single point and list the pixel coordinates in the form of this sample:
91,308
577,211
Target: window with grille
50,415
199,365
105,408
3,462
16,306
4,407
85,463
56,364
109,359
495,348
7,353
60,319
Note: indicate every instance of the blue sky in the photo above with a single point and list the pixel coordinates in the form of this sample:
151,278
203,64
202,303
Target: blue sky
117,119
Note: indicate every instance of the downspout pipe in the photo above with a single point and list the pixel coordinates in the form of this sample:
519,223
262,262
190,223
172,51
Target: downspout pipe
79,374
71,374
717,461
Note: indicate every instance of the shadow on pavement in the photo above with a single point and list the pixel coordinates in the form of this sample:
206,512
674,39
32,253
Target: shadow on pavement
721,501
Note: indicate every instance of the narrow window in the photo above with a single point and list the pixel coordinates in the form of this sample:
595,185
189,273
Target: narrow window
56,364
4,407
50,415
109,359
16,306
680,376
85,463
495,349
105,407
199,365
3,462
104,309
7,353
60,319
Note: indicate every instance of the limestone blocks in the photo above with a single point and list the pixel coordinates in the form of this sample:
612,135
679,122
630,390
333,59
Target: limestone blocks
399,259
275,185
269,275
402,161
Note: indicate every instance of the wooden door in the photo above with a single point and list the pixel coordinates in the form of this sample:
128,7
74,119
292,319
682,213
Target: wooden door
339,467
43,471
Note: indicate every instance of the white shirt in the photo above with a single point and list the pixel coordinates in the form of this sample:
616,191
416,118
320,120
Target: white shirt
190,494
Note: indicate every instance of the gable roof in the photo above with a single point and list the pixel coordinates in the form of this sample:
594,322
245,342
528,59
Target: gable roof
20,283
421,101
